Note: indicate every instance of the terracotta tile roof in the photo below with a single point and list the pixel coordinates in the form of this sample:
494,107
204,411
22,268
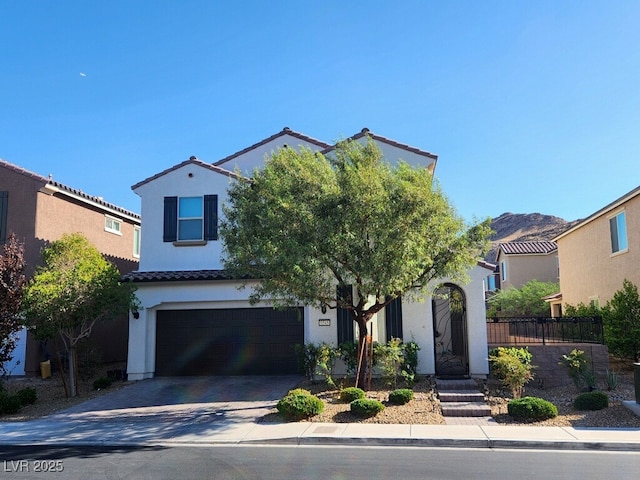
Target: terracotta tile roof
524,248
191,161
388,141
285,131
176,275
66,188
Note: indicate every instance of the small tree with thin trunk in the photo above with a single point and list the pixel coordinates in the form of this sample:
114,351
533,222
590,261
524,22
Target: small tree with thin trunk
12,282
75,288
307,223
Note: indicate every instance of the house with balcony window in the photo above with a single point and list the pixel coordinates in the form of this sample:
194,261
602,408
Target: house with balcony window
599,253
39,210
197,321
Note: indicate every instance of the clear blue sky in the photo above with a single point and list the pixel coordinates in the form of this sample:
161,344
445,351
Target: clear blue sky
531,106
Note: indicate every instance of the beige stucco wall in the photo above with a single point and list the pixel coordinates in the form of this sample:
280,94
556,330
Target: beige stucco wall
523,268
588,269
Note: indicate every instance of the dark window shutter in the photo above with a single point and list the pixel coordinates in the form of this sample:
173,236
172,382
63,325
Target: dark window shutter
210,217
344,320
170,232
4,204
393,319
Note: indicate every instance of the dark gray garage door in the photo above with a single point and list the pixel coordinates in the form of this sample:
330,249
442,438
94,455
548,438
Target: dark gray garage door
243,341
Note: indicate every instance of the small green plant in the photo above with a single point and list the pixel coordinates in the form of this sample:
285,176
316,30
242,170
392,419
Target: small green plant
400,396
316,360
348,352
612,380
390,357
299,391
366,407
512,366
577,362
410,365
532,408
101,383
9,404
350,394
297,405
27,396
591,401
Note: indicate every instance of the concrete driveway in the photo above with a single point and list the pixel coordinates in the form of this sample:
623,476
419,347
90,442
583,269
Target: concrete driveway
229,399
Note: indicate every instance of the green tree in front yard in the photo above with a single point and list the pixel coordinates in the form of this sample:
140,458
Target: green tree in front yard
12,282
307,223
621,316
526,301
75,288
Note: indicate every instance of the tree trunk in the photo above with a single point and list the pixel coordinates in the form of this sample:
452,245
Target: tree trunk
361,375
72,371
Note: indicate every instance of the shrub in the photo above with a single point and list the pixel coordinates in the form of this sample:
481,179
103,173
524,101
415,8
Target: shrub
532,408
102,382
27,396
410,366
512,366
350,394
612,380
401,396
591,401
298,405
299,391
579,370
9,404
366,407
317,360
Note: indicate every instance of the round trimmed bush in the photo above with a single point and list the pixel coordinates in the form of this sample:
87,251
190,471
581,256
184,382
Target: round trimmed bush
102,382
298,391
350,394
401,396
591,401
366,407
9,403
532,408
296,406
27,396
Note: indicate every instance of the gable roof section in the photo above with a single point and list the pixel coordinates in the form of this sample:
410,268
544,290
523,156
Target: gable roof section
285,131
365,131
192,161
528,248
51,186
604,210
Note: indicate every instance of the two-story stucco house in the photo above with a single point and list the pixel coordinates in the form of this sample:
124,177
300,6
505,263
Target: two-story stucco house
196,321
521,262
597,254
39,210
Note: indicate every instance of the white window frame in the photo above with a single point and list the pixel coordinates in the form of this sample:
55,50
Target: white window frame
109,223
137,237
620,220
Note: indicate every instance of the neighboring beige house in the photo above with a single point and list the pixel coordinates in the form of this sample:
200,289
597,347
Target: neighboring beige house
40,210
597,254
521,262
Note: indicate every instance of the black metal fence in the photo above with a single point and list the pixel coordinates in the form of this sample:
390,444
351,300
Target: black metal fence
512,331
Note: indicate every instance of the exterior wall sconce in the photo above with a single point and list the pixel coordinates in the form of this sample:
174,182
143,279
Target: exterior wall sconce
136,315
323,309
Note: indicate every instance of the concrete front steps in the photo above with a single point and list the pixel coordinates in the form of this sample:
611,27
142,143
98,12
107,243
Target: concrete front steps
461,398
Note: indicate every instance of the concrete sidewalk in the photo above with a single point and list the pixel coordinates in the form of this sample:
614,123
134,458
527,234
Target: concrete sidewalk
200,424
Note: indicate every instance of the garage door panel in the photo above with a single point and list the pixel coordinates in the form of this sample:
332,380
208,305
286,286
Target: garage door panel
256,341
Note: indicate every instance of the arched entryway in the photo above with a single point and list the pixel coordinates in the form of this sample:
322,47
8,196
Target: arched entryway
449,309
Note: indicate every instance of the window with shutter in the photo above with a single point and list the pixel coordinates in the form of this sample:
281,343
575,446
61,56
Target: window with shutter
393,319
344,320
188,219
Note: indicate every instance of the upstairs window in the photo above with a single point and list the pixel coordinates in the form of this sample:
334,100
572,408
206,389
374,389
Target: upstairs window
618,227
188,219
503,271
112,225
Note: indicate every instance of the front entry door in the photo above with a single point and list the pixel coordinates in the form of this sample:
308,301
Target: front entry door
450,332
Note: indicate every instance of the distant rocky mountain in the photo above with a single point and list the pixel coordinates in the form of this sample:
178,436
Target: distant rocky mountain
525,227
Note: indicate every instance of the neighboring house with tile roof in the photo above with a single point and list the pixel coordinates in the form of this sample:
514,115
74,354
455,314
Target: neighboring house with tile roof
196,321
520,262
40,210
597,254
